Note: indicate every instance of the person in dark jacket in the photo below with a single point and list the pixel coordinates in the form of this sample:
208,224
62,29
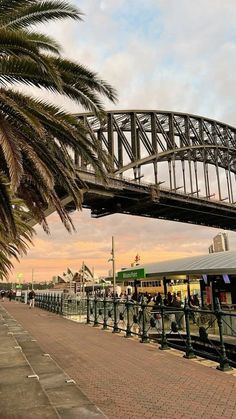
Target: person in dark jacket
31,298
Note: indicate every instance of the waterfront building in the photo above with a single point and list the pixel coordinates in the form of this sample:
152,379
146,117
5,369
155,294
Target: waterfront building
211,276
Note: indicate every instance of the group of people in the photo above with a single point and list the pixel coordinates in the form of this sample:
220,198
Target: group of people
10,294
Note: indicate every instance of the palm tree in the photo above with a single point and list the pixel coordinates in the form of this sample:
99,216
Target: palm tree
16,244
35,136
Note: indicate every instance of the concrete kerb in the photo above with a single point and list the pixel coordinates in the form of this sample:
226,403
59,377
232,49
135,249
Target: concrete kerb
32,384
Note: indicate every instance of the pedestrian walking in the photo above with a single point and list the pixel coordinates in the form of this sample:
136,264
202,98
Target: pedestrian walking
31,298
10,295
2,295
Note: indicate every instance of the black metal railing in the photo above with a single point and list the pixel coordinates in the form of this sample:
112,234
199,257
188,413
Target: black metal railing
50,301
195,331
207,333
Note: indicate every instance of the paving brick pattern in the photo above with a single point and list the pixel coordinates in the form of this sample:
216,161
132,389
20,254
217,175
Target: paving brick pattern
127,379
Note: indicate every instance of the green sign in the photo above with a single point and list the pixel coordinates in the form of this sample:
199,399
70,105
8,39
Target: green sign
132,274
19,286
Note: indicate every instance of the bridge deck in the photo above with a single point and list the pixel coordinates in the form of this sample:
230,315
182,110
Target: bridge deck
126,379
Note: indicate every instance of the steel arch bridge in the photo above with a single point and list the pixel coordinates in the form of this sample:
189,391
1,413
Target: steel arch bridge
165,165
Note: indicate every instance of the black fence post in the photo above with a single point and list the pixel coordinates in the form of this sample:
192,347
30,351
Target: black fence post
128,326
164,345
224,362
53,302
88,309
144,335
58,303
95,324
61,304
189,353
115,306
105,313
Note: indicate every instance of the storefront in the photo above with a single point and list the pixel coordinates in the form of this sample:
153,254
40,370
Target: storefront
210,276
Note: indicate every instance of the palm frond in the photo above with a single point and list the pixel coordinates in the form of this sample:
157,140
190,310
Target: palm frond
15,113
14,246
76,74
11,152
33,12
27,72
16,45
43,42
6,210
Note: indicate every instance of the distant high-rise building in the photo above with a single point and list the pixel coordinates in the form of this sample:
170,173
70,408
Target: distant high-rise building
211,250
220,243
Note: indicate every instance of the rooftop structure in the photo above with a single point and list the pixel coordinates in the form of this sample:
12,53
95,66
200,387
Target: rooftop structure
211,264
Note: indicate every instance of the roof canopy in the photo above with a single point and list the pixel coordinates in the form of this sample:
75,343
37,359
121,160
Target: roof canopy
211,264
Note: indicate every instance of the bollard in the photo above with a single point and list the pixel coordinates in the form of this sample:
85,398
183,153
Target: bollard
189,353
164,345
115,326
144,335
105,313
224,362
88,309
128,326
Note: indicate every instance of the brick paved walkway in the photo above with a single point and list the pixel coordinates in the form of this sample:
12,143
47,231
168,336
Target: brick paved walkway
127,379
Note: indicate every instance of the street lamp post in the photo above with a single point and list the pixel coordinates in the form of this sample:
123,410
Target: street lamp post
112,259
113,266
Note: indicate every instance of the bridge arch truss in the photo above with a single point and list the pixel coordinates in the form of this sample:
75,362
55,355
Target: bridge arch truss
183,153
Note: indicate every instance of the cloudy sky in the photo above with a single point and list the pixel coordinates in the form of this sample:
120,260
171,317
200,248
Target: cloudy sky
158,54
